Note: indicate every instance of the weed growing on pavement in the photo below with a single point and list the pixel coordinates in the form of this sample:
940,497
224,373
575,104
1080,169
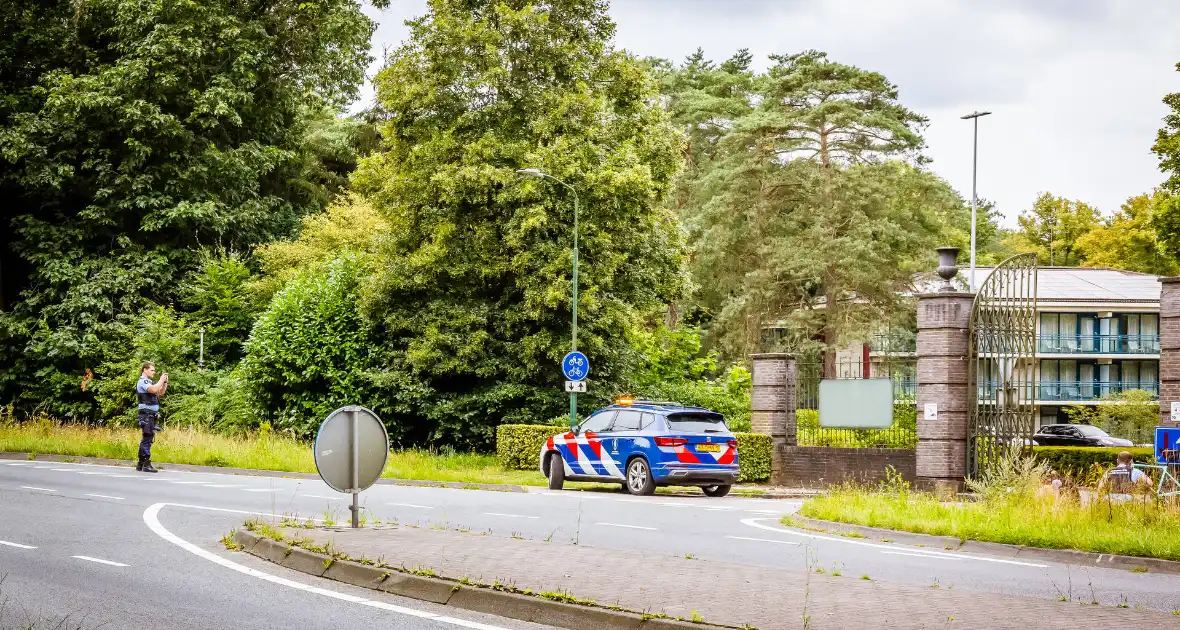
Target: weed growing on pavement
865,576
696,617
565,597
1009,511
229,542
1138,569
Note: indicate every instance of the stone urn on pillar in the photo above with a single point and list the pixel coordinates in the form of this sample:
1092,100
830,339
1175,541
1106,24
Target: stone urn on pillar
948,267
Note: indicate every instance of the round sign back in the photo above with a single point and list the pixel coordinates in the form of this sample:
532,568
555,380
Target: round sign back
351,435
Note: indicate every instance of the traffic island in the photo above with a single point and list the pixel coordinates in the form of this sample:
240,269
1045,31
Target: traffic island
573,586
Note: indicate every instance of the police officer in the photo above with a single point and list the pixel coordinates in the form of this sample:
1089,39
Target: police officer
149,394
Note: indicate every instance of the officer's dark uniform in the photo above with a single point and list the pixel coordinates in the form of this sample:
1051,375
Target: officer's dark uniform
149,409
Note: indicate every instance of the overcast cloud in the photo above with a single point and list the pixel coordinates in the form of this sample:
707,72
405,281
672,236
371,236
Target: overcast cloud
1075,86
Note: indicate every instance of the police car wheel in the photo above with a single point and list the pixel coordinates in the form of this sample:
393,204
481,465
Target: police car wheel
556,472
716,491
639,481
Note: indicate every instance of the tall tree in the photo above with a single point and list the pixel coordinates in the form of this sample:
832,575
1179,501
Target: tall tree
133,134
1051,229
1167,149
474,293
1128,240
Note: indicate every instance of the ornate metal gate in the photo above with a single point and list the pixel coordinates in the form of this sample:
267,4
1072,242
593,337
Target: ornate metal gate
1001,370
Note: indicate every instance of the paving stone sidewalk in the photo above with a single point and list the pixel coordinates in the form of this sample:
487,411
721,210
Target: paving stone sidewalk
719,592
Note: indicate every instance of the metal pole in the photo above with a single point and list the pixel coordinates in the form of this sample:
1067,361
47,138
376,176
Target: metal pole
201,360
356,469
574,328
974,198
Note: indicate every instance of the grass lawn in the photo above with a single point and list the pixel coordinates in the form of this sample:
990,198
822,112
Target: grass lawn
271,452
1142,528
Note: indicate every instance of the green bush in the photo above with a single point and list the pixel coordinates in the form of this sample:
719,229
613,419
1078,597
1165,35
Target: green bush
728,395
1085,464
754,452
903,433
517,447
313,351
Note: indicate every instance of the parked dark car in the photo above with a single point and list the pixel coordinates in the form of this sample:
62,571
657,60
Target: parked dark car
1076,435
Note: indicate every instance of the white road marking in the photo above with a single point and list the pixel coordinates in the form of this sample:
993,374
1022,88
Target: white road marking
779,542
763,512
43,467
222,485
187,483
958,556
105,496
20,463
918,555
321,496
101,561
17,545
63,469
261,490
41,489
676,504
650,529
151,517
124,476
509,515
411,505
87,472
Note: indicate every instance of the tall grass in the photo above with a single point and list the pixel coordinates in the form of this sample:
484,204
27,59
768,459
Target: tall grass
1147,527
260,451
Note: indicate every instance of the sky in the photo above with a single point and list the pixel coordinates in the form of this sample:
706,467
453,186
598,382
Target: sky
1074,86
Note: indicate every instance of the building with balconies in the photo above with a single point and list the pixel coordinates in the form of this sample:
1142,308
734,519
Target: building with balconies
1097,337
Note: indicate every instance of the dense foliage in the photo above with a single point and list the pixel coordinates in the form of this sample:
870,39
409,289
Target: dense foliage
134,134
473,296
1087,464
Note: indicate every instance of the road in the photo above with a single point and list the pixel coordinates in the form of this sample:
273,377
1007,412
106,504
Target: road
66,511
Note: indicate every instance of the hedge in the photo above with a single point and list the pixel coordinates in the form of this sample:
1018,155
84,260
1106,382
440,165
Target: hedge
517,447
1079,462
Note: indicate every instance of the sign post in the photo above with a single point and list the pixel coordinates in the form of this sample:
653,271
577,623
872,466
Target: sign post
575,367
351,449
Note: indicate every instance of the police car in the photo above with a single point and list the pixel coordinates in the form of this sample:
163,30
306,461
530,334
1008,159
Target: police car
645,444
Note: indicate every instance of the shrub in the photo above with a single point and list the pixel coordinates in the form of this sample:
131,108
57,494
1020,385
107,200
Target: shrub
902,434
728,396
218,399
754,453
1085,464
313,351
518,445
1133,416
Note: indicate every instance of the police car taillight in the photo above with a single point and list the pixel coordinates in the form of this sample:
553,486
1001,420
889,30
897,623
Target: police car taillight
732,443
670,441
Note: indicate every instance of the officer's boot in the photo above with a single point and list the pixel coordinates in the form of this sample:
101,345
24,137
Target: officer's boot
139,464
147,466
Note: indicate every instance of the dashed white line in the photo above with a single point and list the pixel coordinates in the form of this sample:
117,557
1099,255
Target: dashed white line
41,489
20,463
777,542
17,545
650,529
187,483
412,505
223,485
86,472
261,490
320,496
63,469
124,476
101,561
509,515
105,496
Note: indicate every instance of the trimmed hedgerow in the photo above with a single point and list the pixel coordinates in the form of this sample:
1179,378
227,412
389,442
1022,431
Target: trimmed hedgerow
1079,461
754,451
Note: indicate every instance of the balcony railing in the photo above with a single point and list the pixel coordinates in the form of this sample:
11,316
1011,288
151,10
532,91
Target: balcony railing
1071,391
894,343
1098,344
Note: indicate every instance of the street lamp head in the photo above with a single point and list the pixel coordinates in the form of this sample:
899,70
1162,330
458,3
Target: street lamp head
531,172
975,115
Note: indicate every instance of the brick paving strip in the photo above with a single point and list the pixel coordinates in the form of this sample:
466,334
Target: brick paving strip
718,592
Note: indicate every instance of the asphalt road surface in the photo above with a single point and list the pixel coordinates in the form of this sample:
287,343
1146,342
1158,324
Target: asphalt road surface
62,525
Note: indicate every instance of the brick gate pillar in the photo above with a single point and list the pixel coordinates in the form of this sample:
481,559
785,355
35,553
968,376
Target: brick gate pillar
944,336
772,403
1169,348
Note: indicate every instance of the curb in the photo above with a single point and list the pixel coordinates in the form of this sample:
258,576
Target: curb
448,592
1063,556
252,472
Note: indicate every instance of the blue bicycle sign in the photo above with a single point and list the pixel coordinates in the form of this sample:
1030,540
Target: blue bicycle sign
575,366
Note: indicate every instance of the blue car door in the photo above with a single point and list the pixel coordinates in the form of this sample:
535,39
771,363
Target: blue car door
583,452
621,443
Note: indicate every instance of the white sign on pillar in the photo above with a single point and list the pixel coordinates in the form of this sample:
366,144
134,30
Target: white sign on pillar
1175,411
931,411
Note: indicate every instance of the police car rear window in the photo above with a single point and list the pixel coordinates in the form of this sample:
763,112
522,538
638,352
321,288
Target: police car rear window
696,422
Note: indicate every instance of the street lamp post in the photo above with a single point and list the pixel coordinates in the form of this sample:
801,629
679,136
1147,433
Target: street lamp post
536,172
974,198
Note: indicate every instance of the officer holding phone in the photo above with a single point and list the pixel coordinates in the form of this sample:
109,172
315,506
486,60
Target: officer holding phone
149,394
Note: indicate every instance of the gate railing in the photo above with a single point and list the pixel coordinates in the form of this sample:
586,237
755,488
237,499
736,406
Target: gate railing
902,434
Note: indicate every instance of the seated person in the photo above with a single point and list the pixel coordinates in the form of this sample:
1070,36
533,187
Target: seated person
1124,479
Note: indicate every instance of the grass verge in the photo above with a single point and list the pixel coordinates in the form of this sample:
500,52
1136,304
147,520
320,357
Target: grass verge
257,452
1146,528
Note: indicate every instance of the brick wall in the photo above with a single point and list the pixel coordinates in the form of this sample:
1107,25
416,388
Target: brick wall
1169,372
817,467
